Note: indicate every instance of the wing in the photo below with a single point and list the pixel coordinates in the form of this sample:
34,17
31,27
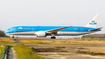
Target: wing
97,29
56,30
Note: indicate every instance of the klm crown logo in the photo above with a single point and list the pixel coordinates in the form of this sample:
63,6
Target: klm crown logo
20,28
92,23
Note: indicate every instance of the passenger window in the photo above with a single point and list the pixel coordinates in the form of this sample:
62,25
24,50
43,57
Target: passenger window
75,28
82,29
33,29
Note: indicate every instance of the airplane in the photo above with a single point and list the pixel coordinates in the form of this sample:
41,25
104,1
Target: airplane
43,31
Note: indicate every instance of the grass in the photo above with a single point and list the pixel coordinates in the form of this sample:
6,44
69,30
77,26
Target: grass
35,41
64,42
2,48
6,41
24,52
51,42
45,41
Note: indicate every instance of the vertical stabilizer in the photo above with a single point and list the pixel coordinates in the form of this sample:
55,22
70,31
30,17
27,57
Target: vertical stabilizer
93,23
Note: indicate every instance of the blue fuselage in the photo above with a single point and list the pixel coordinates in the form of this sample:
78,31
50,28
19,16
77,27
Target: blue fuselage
30,30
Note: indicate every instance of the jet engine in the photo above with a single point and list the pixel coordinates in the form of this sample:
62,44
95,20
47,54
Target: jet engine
41,34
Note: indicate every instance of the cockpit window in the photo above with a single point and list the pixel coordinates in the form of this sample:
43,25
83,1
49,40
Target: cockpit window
8,29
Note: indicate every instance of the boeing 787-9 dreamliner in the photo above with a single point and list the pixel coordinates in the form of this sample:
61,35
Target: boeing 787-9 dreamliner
43,31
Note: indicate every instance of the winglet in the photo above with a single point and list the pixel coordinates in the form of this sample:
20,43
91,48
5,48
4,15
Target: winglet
93,23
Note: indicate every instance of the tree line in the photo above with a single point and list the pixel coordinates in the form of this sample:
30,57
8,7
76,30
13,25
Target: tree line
2,34
94,36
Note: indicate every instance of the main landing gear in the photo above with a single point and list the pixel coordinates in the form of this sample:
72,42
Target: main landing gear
53,36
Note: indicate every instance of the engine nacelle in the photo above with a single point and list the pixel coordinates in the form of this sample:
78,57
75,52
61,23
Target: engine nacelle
41,34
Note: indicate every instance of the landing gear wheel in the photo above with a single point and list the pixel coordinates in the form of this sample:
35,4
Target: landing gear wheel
12,36
53,37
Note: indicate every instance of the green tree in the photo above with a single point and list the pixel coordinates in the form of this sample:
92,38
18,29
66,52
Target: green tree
83,37
2,34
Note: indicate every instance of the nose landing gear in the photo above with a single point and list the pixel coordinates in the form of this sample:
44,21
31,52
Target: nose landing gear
12,36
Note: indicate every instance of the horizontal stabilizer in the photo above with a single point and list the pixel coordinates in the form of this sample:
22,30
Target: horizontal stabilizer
96,29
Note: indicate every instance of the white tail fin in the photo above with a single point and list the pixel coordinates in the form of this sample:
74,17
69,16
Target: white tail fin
93,23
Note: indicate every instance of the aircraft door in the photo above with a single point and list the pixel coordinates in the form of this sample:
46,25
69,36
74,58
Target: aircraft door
37,28
14,29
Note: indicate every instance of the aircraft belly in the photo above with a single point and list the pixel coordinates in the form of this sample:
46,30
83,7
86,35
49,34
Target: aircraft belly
22,33
58,34
71,33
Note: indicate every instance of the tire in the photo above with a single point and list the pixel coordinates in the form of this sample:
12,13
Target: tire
53,37
12,36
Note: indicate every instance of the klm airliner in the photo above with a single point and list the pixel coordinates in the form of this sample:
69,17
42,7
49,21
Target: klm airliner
43,31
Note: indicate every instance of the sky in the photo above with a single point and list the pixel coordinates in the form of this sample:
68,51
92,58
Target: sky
50,13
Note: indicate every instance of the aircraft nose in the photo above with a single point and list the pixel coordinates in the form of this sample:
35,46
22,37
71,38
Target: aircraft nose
6,31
